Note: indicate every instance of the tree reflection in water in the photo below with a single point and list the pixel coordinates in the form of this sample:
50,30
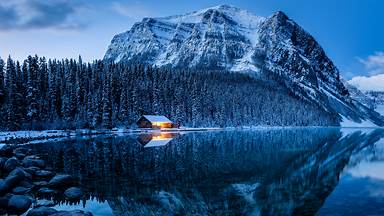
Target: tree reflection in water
263,172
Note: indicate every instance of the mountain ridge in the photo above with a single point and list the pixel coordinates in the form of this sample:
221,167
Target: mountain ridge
228,38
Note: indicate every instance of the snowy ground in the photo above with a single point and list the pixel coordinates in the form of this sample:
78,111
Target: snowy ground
380,109
13,135
351,124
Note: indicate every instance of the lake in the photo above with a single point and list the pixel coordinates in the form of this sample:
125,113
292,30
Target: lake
306,171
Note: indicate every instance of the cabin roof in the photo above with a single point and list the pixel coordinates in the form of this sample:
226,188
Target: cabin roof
157,118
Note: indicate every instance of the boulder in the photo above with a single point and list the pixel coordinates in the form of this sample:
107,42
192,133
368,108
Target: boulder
46,191
13,178
32,170
41,211
18,204
11,164
20,190
20,156
6,151
72,213
2,162
73,193
26,184
33,161
40,183
44,202
3,187
60,181
44,174
4,202
22,172
17,172
21,150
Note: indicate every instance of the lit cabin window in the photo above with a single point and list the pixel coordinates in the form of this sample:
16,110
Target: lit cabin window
157,124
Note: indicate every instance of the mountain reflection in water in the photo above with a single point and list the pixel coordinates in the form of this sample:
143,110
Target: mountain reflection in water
240,172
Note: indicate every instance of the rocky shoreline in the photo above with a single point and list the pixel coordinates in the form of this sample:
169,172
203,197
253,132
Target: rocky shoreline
27,185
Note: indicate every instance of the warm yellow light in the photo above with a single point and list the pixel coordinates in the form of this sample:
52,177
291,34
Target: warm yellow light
159,138
162,136
159,124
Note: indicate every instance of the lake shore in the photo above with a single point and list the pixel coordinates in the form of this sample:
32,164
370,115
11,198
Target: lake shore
22,137
29,137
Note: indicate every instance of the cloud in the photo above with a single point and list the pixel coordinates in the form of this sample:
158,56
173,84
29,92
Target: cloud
39,14
374,64
373,170
132,11
371,83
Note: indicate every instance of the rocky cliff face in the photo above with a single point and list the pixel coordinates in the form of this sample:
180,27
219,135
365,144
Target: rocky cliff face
228,38
220,37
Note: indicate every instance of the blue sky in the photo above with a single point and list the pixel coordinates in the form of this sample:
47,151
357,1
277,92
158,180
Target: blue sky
350,31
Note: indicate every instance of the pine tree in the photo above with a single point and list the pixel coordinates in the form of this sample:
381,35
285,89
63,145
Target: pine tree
69,106
69,93
2,87
196,106
32,91
180,109
135,107
124,101
19,111
107,106
10,82
2,95
52,94
43,109
156,106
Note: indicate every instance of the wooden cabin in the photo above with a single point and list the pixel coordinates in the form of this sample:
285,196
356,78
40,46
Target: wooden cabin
154,121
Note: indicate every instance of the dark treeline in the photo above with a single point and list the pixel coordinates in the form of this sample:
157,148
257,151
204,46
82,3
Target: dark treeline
67,94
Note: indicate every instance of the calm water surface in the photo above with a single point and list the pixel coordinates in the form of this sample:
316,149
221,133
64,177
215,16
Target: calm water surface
255,172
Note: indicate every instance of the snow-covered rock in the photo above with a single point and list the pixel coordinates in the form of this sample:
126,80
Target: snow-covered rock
228,38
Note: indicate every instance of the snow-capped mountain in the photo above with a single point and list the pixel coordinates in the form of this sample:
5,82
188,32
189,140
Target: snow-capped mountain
368,90
217,37
228,38
378,100
359,95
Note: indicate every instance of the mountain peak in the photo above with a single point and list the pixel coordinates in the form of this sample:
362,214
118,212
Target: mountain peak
228,12
231,39
170,40
224,7
280,14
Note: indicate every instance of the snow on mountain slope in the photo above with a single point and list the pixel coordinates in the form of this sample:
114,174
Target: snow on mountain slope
227,38
217,37
368,90
360,96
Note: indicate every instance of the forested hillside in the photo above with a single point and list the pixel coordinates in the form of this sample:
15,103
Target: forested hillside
68,94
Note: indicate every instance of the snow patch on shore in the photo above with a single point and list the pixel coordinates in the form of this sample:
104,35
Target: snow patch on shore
9,135
345,122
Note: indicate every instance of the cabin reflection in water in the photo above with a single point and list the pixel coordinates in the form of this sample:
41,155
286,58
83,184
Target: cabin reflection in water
155,139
